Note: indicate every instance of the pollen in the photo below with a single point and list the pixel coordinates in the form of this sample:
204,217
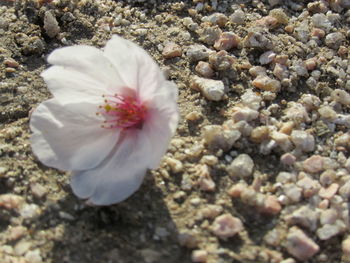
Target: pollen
123,112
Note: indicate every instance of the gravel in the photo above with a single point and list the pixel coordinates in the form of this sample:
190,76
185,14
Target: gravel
258,170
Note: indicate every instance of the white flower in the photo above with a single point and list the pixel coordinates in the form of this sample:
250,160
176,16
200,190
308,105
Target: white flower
110,119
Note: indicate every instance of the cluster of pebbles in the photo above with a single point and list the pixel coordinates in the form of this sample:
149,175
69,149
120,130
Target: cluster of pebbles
259,170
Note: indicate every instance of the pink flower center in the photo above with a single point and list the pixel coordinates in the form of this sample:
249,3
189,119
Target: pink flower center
123,112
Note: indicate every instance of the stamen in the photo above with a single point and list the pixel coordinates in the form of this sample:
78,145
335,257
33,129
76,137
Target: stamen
123,112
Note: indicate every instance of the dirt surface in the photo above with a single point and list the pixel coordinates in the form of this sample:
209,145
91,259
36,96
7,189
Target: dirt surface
175,216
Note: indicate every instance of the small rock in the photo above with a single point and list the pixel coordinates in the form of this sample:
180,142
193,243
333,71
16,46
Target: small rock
329,192
314,164
194,116
211,211
29,211
216,19
204,181
271,205
267,57
33,256
334,40
300,245
226,226
268,22
171,50
238,17
38,190
266,83
188,239
221,60
209,35
204,69
11,63
236,190
11,201
328,216
293,192
199,256
328,231
211,89
22,247
227,41
305,216
288,159
244,114
198,52
51,25
16,232
346,246
341,96
175,165
216,137
260,134
242,166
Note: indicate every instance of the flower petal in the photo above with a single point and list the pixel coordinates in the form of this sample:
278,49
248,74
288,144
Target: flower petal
136,66
70,137
118,176
159,129
80,71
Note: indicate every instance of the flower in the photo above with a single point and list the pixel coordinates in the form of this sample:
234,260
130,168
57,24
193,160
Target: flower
110,119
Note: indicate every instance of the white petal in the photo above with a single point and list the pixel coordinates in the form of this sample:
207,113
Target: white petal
70,137
119,176
80,71
136,67
159,129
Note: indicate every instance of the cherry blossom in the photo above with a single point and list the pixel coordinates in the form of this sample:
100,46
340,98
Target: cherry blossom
110,119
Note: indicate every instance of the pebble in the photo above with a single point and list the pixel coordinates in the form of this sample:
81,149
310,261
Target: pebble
346,246
50,24
221,60
271,205
334,40
328,231
244,114
209,34
29,211
293,192
211,211
310,187
259,40
188,239
216,19
328,216
299,245
266,83
236,190
238,17
288,159
204,69
199,255
33,256
172,50
225,226
16,232
209,160
329,192
242,166
211,89
227,41
38,190
251,99
198,52
194,116
267,57
218,138
268,22
341,96
303,140
10,62
11,201
175,165
313,164
304,216
22,247
260,134
204,181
